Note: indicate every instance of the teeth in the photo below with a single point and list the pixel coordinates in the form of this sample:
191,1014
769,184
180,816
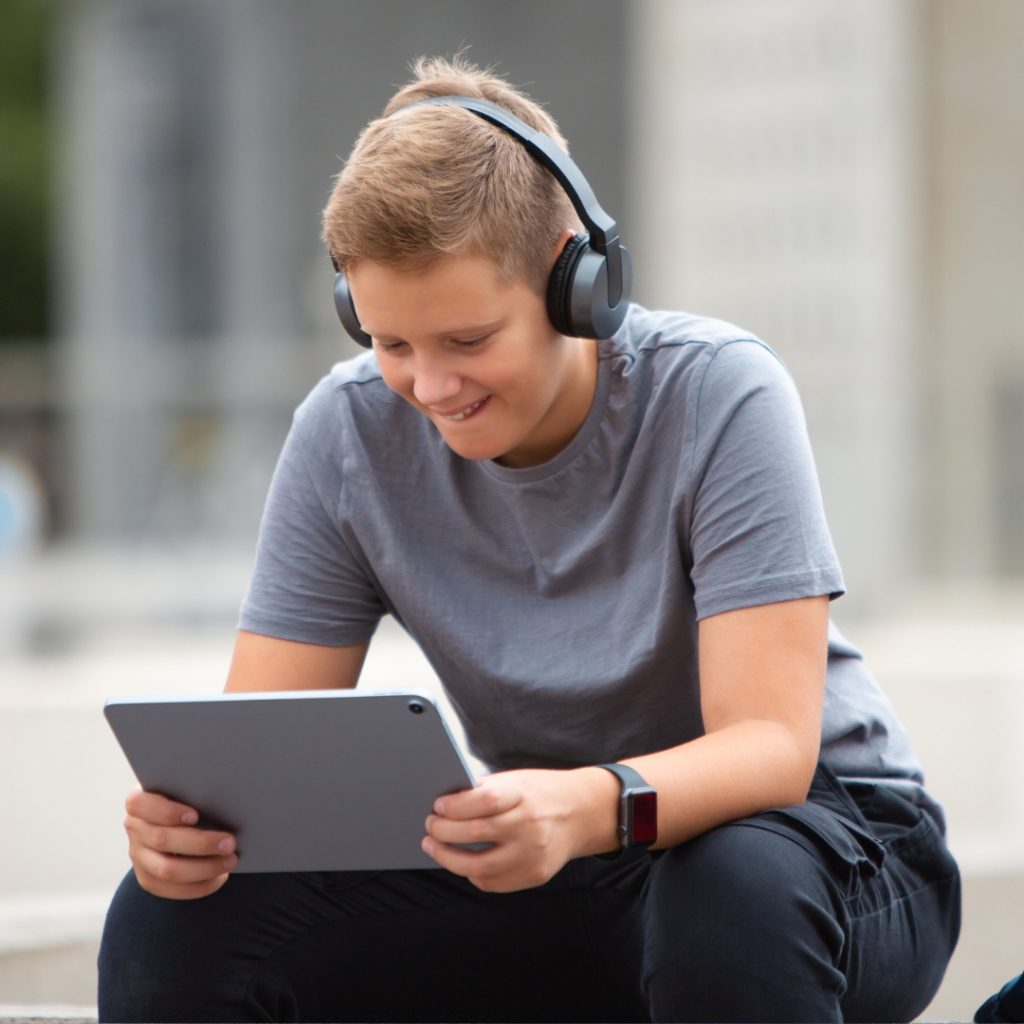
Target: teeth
465,412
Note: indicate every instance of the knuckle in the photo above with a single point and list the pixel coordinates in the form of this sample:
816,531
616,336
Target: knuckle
480,831
536,876
143,878
542,838
164,869
492,801
158,838
212,886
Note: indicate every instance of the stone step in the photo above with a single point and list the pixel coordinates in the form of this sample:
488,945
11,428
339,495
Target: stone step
56,1013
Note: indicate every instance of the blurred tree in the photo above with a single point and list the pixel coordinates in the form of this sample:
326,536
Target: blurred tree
25,28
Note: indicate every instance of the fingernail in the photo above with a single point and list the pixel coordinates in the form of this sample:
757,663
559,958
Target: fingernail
428,847
229,862
189,818
226,845
439,807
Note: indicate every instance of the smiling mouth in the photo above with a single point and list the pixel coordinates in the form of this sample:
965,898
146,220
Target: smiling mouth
464,414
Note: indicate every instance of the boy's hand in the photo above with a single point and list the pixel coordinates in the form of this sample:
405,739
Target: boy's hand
536,819
172,858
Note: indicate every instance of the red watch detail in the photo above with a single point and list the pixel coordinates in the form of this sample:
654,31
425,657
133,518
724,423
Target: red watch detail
638,810
645,818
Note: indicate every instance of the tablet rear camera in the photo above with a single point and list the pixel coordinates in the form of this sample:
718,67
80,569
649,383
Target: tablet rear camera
416,707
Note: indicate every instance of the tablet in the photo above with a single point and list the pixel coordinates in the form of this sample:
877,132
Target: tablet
317,780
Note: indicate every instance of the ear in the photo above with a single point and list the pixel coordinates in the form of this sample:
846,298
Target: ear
563,238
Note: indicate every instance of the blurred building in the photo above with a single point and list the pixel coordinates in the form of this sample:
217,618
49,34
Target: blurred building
201,140
843,179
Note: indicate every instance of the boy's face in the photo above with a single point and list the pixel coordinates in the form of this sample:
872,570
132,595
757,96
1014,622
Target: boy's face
477,356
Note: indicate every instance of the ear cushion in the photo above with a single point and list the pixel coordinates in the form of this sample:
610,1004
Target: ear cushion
560,284
346,310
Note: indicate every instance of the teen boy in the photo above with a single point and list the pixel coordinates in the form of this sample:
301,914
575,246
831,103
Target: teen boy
613,552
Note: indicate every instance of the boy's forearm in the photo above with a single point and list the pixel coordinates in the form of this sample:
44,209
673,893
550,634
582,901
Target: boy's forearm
747,767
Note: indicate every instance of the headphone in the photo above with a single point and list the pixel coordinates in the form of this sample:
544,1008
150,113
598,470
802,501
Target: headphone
588,291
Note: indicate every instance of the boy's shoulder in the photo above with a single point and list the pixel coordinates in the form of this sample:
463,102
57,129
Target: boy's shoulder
346,381
351,396
679,342
359,370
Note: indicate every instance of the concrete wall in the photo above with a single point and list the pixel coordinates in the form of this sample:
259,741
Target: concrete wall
844,180
972,359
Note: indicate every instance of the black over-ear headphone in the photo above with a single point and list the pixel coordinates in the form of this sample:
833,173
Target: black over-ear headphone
590,283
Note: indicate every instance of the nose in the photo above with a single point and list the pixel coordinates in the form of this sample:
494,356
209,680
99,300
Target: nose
434,383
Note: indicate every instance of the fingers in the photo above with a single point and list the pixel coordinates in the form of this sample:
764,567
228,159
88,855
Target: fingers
495,795
178,891
184,840
496,816
499,869
178,876
486,814
160,810
180,840
171,857
521,815
472,831
169,869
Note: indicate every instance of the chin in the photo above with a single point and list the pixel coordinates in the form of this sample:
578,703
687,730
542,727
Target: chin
476,451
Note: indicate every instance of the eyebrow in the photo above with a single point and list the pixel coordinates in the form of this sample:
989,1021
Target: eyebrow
473,330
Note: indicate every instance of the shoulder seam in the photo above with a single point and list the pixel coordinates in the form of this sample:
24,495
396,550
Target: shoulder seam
341,385
717,343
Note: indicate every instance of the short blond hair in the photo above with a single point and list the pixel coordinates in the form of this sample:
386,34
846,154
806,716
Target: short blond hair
439,180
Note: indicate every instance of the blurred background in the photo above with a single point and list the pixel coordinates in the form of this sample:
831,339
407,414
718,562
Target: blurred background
843,179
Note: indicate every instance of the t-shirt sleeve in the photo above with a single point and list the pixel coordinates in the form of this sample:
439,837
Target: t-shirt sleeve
757,529
308,583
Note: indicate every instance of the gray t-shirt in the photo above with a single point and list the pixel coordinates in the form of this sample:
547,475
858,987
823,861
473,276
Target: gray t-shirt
559,603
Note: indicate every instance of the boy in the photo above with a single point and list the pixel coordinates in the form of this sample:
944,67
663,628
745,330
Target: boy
613,552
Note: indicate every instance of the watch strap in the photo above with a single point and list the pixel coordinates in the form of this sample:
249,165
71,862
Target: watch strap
629,777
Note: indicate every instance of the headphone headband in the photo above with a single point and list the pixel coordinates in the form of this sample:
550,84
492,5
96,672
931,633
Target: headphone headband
604,232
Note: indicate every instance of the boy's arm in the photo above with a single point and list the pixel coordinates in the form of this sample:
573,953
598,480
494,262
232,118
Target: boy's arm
266,663
762,686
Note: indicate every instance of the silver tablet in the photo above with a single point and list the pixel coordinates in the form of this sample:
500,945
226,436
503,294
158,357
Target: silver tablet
312,780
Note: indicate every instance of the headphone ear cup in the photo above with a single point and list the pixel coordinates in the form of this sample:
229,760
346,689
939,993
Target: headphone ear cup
347,311
578,301
560,285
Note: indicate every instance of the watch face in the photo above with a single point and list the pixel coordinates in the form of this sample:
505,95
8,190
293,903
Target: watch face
645,818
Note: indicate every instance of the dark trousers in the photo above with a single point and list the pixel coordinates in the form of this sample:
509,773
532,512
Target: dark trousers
844,908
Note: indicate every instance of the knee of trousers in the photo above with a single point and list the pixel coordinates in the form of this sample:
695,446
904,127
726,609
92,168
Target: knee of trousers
163,959
743,901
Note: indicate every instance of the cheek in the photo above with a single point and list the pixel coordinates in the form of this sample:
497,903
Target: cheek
396,379
536,381
525,378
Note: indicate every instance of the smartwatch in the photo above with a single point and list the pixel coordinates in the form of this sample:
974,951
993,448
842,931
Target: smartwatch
638,811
